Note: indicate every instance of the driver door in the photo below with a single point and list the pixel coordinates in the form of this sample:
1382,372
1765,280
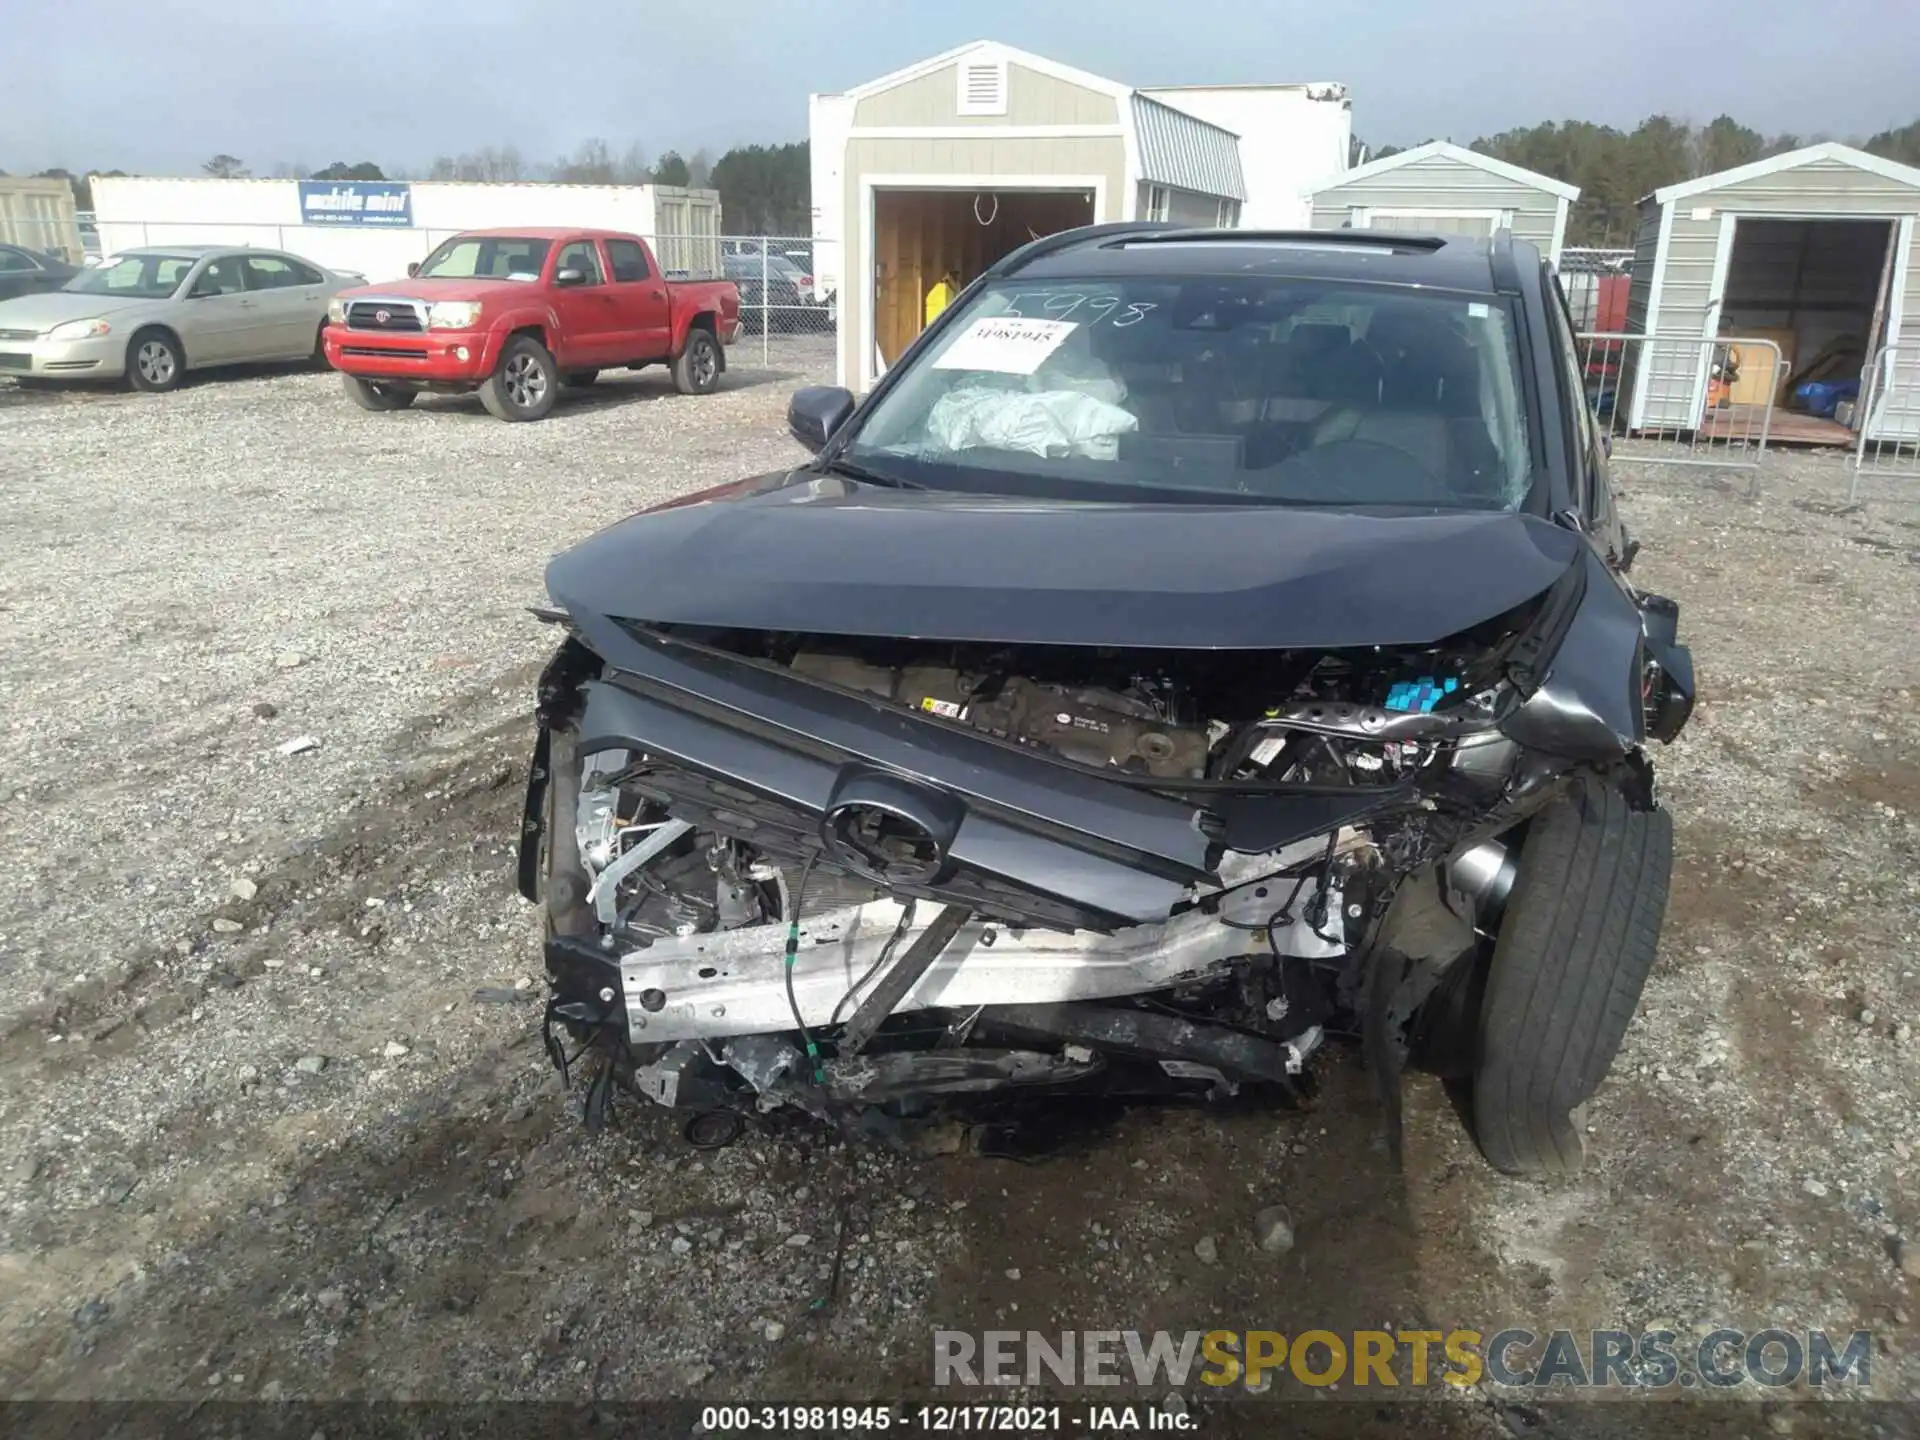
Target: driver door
216,312
588,314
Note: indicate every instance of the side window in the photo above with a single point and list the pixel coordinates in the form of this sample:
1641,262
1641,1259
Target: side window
221,277
1573,372
14,260
584,256
303,273
269,272
629,261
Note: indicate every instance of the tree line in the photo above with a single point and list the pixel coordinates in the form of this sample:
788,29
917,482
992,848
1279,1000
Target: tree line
1615,168
767,189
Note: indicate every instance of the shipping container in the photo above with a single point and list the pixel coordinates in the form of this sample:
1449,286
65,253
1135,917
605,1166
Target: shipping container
39,215
379,227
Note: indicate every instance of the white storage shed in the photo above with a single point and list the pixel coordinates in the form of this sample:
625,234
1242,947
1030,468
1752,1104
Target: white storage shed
1292,138
1440,188
1814,250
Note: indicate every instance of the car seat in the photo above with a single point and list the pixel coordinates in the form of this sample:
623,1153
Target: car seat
1428,404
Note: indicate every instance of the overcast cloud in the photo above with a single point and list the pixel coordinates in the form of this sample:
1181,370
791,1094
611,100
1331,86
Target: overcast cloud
156,86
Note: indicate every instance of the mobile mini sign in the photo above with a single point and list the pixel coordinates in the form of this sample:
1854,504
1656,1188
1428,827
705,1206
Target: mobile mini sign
356,202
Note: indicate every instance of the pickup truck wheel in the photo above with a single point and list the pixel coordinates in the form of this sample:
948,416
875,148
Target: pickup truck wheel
1575,946
370,395
523,385
580,379
697,369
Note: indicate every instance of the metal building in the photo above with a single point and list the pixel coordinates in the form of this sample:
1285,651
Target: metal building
38,214
1813,250
943,167
1438,188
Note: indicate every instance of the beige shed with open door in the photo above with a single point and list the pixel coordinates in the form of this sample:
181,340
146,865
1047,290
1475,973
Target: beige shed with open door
953,163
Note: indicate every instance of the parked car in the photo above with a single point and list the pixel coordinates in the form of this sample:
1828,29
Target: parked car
31,272
774,293
1199,645
151,315
515,314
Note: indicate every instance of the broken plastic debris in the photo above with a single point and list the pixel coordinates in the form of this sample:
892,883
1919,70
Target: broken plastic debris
299,745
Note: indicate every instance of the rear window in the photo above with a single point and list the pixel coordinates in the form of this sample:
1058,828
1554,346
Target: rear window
629,261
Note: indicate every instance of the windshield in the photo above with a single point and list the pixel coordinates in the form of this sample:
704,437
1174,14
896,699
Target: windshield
145,276
486,257
1290,391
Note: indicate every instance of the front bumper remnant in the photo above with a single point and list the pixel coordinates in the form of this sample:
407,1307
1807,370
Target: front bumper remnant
734,982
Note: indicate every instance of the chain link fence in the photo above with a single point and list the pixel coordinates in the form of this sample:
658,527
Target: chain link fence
1595,282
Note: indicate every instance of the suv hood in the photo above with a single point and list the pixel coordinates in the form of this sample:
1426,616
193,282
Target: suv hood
831,556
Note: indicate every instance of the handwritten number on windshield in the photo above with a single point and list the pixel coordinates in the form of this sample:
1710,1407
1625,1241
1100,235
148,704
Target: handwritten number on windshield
1062,304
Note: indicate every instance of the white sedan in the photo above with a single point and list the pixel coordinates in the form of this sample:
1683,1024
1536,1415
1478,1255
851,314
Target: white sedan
152,314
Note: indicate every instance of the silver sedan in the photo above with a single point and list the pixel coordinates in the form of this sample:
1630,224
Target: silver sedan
150,315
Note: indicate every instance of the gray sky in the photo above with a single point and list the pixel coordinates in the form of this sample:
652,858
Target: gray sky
156,86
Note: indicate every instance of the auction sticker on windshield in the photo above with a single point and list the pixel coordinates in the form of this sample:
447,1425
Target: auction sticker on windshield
1008,344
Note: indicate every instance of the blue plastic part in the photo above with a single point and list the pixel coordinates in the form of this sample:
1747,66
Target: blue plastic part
1419,695
1821,397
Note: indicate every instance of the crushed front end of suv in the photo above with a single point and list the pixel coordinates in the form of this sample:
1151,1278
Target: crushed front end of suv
1199,648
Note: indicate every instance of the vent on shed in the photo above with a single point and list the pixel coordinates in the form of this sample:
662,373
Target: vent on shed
983,88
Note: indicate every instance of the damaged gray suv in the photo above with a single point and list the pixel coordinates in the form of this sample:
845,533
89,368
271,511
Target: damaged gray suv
1200,648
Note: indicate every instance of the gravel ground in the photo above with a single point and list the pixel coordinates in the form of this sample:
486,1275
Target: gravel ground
274,1120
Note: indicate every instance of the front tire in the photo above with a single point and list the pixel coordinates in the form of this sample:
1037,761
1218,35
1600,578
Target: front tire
155,362
696,370
524,384
1576,944
372,395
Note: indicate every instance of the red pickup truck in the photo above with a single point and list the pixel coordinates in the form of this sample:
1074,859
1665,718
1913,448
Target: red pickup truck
516,314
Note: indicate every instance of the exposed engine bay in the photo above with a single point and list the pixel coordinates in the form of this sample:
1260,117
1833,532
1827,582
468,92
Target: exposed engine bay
857,953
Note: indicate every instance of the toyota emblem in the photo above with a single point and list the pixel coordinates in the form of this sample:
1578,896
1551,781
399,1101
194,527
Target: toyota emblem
381,317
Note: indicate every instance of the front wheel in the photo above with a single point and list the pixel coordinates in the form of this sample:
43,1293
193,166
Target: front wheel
697,370
524,384
1576,943
154,362
371,395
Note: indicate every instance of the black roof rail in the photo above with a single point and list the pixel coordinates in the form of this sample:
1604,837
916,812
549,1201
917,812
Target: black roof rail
1329,238
1067,239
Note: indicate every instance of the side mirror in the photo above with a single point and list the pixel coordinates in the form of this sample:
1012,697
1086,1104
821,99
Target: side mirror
569,276
816,413
413,268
